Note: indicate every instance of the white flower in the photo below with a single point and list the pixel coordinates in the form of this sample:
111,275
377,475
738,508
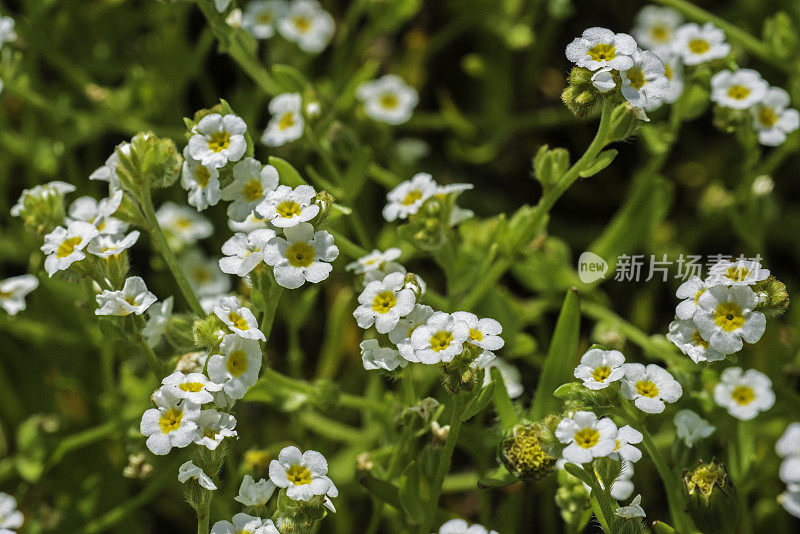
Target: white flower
195,387
216,140
624,449
251,222
132,298
691,428
41,192
100,214
698,44
649,387
238,319
204,274
287,121
388,99
586,437
374,261
64,246
744,393
10,517
304,475
108,172
459,526
252,493
285,207
308,25
773,119
182,226
189,470
14,290
384,303
157,321
632,511
726,318
738,273
622,487
237,367
440,339
483,333
673,70
251,182
685,335
599,47
201,181
738,90
170,424
603,80
244,252
214,426
645,82
222,5
788,448
408,197
303,256
655,27
105,246
245,524
373,356
7,33
401,334
599,368
512,379
261,17
690,291
790,500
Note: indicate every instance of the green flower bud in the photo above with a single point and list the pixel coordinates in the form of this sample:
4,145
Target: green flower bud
711,498
578,397
151,162
580,96
625,122
523,454
572,498
207,333
41,208
774,299
549,165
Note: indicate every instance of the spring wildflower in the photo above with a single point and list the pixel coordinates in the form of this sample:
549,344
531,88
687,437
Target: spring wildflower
261,17
384,303
201,181
773,119
182,226
483,333
10,517
251,222
523,454
286,207
304,256
14,290
649,387
7,33
599,47
726,318
409,196
622,487
586,437
599,368
655,27
644,83
239,319
691,428
157,321
237,367
632,511
401,334
788,448
738,273
690,292
108,171
673,70
204,274
440,339
216,140
744,393
738,90
244,524
99,213
64,246
697,44
251,183
221,5
244,252
287,121
627,436
170,424
388,99
195,387
308,25
685,335
252,493
39,193
213,427
189,471
132,298
373,356
374,261
459,526
304,475
106,246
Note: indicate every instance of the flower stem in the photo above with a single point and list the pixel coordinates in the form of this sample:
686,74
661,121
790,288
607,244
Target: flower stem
203,519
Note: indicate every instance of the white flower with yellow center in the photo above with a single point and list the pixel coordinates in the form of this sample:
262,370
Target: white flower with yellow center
627,436
106,246
308,25
737,273
773,119
132,298
788,448
599,47
691,428
170,424
245,524
303,475
388,99
108,172
158,317
726,318
217,139
586,437
685,335
645,82
64,246
251,183
286,123
673,70
304,256
655,27
599,368
483,333
213,427
384,303
649,387
204,274
632,511
238,319
409,196
39,193
182,226
697,44
99,213
14,290
244,252
251,222
7,33
401,334
189,470
10,517
738,90
252,493
285,207
690,291
459,526
237,367
440,339
201,181
744,393
374,261
373,356
196,387
261,17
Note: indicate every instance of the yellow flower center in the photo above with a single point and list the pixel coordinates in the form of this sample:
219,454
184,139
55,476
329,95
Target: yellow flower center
668,72
286,121
587,438
67,247
660,33
738,92
209,433
170,420
238,321
699,46
475,335
636,77
698,295
202,175
300,254
5,294
767,116
288,209
298,475
729,316
303,24
252,190
131,299
411,197
202,275
737,274
743,395
646,388
602,52
237,363
191,387
219,141
389,101
183,223
698,340
265,17
441,340
384,301
601,373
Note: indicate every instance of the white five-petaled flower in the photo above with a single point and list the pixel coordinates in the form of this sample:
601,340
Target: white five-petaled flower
14,290
737,273
627,436
586,437
244,252
697,44
632,511
99,213
691,428
105,246
603,80
373,356
685,335
401,334
285,207
213,427
64,246
170,424
374,261
773,119
132,298
287,121
440,339
459,526
308,25
251,182
726,318
182,226
304,475
788,448
599,47
41,192
483,333
245,524
237,367
201,181
252,493
388,99
261,17
649,387
204,274
239,319
645,82
744,393
189,471
196,387
655,27
673,70
304,256
10,517
108,171
409,196
599,368
690,292
7,33
384,303
738,90
157,321
218,139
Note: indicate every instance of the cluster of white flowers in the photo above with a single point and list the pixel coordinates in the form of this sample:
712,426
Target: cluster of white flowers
459,526
14,290
388,99
10,518
788,448
242,523
303,22
409,197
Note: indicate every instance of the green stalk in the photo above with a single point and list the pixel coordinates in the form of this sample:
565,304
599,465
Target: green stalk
203,519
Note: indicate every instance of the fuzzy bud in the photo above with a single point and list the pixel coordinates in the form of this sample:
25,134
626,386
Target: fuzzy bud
41,208
549,165
625,122
773,297
523,453
711,498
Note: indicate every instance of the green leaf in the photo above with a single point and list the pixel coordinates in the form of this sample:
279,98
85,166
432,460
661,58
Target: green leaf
415,494
506,413
602,161
479,402
662,528
288,174
289,78
385,491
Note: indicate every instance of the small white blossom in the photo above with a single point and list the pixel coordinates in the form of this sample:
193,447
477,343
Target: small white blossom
599,368
384,303
673,70
790,500
99,213
586,437
738,273
690,291
691,428
221,5
440,339
304,475
459,526
738,90
214,426
182,226
245,524
244,252
14,290
238,319
401,334
261,17
599,47
132,298
655,27
622,487
697,44
726,318
252,493
512,378
308,25
105,246
744,393
603,80
685,335
304,256
632,511
170,424
287,122
627,436
788,448
649,387
251,222
64,246
251,183
189,470
108,172
7,33
201,181
157,320
373,356
409,196
645,82
10,517
374,261
773,119
237,367
286,207
41,192
388,99
216,140
204,274
195,387
483,333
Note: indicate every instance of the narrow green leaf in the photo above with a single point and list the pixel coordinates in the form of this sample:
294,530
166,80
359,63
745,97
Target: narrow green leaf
415,492
662,528
289,78
385,491
479,402
506,413
288,174
602,161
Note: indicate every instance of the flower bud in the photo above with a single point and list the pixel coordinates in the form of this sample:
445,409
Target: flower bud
523,454
625,121
41,208
711,498
549,165
207,333
572,498
151,162
773,297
